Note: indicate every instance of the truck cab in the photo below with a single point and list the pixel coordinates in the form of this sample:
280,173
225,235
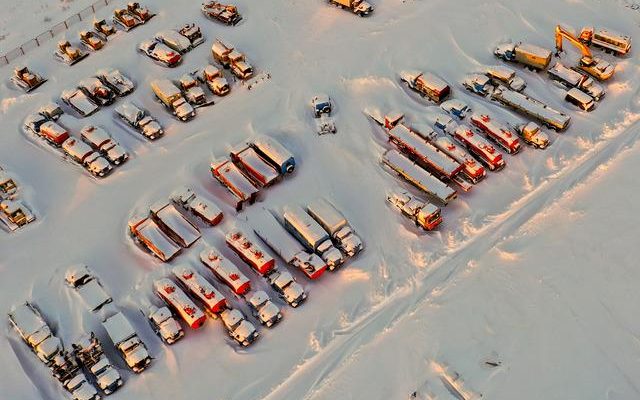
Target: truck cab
425,215
126,340
164,324
532,134
241,330
285,284
35,332
264,309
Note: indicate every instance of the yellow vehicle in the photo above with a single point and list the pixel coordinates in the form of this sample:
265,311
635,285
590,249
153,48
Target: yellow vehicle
594,66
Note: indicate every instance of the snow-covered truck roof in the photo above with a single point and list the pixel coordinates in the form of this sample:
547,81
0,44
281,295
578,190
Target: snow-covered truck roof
424,150
119,328
276,236
170,292
566,74
418,177
77,149
225,270
95,135
466,135
304,224
326,214
250,251
259,169
200,288
172,220
234,179
27,319
534,50
151,234
274,151
532,107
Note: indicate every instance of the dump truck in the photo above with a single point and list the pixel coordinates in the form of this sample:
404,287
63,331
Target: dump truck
311,235
267,228
172,99
126,341
532,108
35,332
335,223
418,177
358,7
533,57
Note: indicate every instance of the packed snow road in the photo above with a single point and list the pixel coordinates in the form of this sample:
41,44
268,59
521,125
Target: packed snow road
356,319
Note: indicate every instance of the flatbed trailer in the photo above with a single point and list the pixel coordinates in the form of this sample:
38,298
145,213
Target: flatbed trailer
417,176
531,108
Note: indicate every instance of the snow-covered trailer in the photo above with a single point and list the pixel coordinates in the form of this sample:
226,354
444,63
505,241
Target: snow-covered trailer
289,249
149,234
480,147
175,298
250,252
532,108
256,167
230,176
417,176
335,223
199,206
225,270
426,84
200,288
174,224
471,168
274,152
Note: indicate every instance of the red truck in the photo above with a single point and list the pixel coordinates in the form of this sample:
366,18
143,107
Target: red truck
479,146
250,252
497,132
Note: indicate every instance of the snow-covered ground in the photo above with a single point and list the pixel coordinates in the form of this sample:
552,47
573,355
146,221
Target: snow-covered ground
532,269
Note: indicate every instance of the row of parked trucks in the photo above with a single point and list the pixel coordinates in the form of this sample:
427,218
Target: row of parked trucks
257,164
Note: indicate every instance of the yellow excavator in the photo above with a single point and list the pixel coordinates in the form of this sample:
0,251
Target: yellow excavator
596,67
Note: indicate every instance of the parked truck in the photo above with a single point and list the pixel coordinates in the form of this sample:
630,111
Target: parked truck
531,108
35,332
426,84
425,215
480,147
274,152
311,235
231,58
230,176
334,222
358,7
126,340
178,300
267,227
225,270
471,168
533,57
89,352
531,133
250,252
171,97
200,288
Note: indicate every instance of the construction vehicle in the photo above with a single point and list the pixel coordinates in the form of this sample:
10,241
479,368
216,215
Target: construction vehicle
174,224
88,287
102,27
230,176
35,332
532,108
126,340
250,252
479,147
418,177
26,79
274,152
532,57
231,58
149,235
215,80
84,155
241,330
164,324
69,54
8,186
202,208
426,84
182,304
89,352
193,33
531,133
225,270
200,288
605,39
471,168
358,7
425,215
140,12
335,223
497,132
264,309
594,66
171,97
124,18
225,13
267,228
311,235
569,79
261,172
91,40
14,214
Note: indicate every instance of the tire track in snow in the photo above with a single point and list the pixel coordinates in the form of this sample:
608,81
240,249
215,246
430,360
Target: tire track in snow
309,378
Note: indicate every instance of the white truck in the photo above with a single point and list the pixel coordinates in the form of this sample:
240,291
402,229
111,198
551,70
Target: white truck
84,155
171,97
289,249
285,284
334,222
531,108
533,57
35,332
241,330
311,235
570,78
264,309
358,7
174,224
89,352
88,287
231,58
202,208
425,215
126,340
164,324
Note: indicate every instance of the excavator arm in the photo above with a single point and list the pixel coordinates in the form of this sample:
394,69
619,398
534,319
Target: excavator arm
562,33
